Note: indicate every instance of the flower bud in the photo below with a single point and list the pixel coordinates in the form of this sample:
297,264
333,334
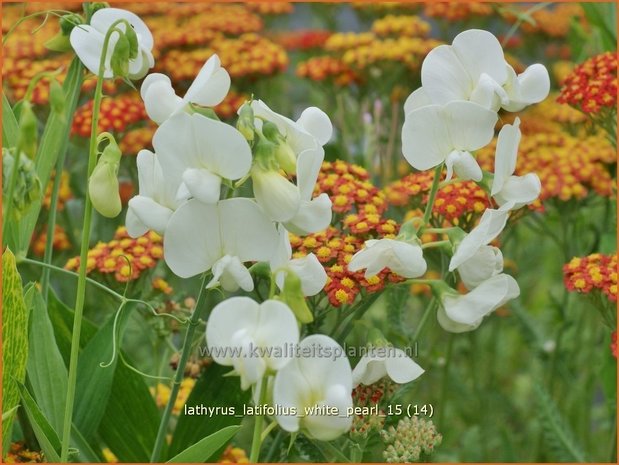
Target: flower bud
294,298
28,133
92,8
120,56
132,39
103,183
68,22
284,154
27,185
56,97
245,123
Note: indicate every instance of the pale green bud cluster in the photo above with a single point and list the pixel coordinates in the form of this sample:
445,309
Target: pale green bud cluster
412,438
27,184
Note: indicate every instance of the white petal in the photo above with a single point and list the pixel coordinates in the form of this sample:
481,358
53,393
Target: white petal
469,125
211,85
313,216
407,259
326,363
486,263
175,145
150,214
88,45
202,184
105,17
490,226
309,163
277,328
419,98
317,123
135,227
534,84
506,154
246,231
146,162
488,93
279,198
369,370
311,273
160,99
480,52
329,427
453,327
231,274
192,241
425,137
519,190
374,257
228,318
283,251
443,76
464,165
290,388
401,368
221,148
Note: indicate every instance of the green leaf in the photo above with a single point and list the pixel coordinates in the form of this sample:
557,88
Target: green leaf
214,390
205,448
85,453
603,16
47,373
14,339
10,129
131,420
55,140
94,382
45,434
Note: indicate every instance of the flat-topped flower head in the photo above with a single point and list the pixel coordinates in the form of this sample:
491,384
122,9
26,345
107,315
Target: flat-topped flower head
88,40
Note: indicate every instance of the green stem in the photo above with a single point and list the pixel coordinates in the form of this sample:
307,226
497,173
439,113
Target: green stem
51,225
356,315
81,282
429,245
180,372
8,214
443,400
433,190
424,319
257,438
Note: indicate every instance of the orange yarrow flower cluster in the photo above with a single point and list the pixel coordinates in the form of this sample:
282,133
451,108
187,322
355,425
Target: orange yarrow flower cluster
456,11
594,272
327,69
233,455
592,86
60,242
409,26
137,139
117,115
304,39
64,191
18,453
124,257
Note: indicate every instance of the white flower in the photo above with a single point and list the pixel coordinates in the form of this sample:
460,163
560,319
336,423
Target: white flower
208,89
400,257
156,202
311,129
512,192
474,68
251,337
87,41
278,197
320,377
386,361
486,263
490,226
201,152
434,134
230,273
308,269
461,313
199,235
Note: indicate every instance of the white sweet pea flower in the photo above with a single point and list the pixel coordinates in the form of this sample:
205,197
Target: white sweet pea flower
490,226
208,89
486,263
157,200
311,129
320,377
87,41
403,258
434,134
278,197
230,273
201,152
512,192
385,361
253,338
308,269
461,313
200,235
473,68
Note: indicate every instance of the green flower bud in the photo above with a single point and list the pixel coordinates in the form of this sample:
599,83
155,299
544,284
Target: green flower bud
283,153
294,298
68,22
245,123
58,43
56,97
28,133
120,57
92,8
132,38
27,185
103,183
264,154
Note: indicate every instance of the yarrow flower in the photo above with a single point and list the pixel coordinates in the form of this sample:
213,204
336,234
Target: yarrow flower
594,272
411,438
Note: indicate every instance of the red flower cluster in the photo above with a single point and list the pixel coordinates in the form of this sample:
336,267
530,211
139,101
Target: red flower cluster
592,85
116,115
305,39
123,257
596,271
327,68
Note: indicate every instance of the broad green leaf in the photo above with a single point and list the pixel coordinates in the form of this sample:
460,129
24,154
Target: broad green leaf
54,140
10,128
131,420
94,382
85,452
45,434
214,390
205,448
14,339
604,17
47,373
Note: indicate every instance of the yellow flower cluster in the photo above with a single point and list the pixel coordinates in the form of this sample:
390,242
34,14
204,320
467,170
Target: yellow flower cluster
162,394
407,26
408,51
456,11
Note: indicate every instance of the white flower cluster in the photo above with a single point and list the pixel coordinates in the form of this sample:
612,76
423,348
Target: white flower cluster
464,85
